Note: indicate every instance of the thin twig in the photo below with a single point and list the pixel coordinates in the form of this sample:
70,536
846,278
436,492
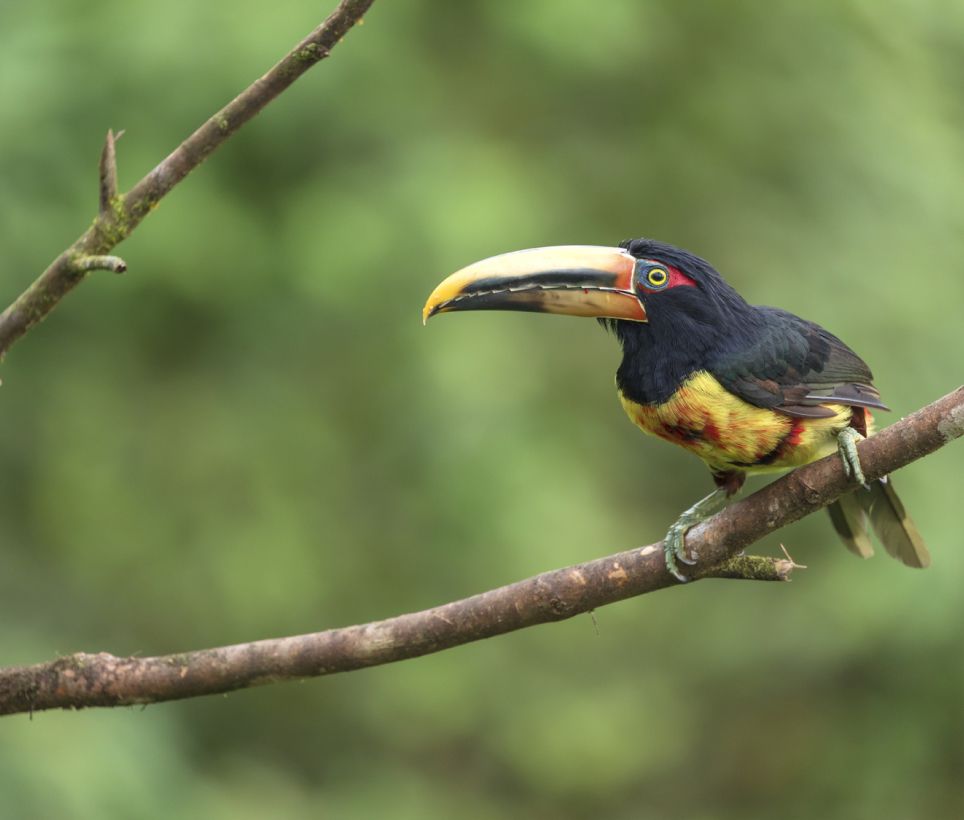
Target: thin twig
108,171
124,212
85,264
793,564
83,680
755,568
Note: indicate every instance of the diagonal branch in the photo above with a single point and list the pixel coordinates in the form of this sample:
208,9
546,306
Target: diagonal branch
120,214
83,680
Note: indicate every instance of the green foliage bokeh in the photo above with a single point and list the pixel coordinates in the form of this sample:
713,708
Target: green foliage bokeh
250,434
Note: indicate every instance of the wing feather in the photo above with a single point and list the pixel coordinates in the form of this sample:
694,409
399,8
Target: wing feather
795,367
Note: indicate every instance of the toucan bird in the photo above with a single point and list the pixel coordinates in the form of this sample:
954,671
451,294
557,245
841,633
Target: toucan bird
748,389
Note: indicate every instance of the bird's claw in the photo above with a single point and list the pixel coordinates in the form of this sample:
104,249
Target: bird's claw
674,544
847,445
674,550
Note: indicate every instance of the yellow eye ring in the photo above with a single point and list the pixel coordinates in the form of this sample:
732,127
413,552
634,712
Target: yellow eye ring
657,277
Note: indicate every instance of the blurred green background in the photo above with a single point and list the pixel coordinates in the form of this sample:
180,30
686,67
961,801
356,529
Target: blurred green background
251,434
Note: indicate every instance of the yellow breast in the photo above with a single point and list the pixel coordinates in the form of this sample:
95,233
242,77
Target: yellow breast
731,434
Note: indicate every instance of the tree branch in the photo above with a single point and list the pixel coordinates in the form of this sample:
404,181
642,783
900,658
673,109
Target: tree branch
83,680
120,214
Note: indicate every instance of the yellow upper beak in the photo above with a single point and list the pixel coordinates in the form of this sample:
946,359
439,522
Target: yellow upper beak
579,280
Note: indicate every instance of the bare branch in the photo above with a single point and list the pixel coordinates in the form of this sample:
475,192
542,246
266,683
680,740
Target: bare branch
83,680
120,214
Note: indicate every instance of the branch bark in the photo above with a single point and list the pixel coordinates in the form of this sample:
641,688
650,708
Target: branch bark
120,214
83,680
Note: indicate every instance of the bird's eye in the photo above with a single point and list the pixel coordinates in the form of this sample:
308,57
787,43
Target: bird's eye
657,278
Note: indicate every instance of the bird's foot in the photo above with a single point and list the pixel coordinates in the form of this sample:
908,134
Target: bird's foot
674,544
847,445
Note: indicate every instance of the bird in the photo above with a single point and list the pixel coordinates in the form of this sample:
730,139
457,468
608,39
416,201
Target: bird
746,388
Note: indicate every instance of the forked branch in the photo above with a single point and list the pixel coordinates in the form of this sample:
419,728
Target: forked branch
119,214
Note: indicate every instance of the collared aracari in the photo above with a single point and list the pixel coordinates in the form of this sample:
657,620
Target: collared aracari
748,389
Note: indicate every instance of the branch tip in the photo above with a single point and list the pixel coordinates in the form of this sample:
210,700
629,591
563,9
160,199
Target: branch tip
108,170
85,264
789,559
752,568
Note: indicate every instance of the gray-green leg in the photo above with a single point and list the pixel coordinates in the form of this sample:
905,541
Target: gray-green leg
847,445
674,545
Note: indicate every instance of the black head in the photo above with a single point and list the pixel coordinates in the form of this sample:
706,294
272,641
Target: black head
692,294
692,313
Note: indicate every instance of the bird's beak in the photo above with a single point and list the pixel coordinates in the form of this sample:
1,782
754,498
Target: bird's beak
579,280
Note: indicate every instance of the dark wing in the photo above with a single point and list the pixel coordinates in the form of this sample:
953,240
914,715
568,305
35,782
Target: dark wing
795,366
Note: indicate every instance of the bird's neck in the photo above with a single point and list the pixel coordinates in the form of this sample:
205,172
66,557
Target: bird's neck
661,354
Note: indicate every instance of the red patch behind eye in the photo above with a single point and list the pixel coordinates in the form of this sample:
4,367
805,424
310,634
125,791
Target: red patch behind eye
677,278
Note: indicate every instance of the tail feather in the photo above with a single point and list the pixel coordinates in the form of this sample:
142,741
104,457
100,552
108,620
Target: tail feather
895,528
850,521
889,520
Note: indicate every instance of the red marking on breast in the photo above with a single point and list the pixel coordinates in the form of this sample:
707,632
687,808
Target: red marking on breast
795,435
711,432
680,433
792,440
